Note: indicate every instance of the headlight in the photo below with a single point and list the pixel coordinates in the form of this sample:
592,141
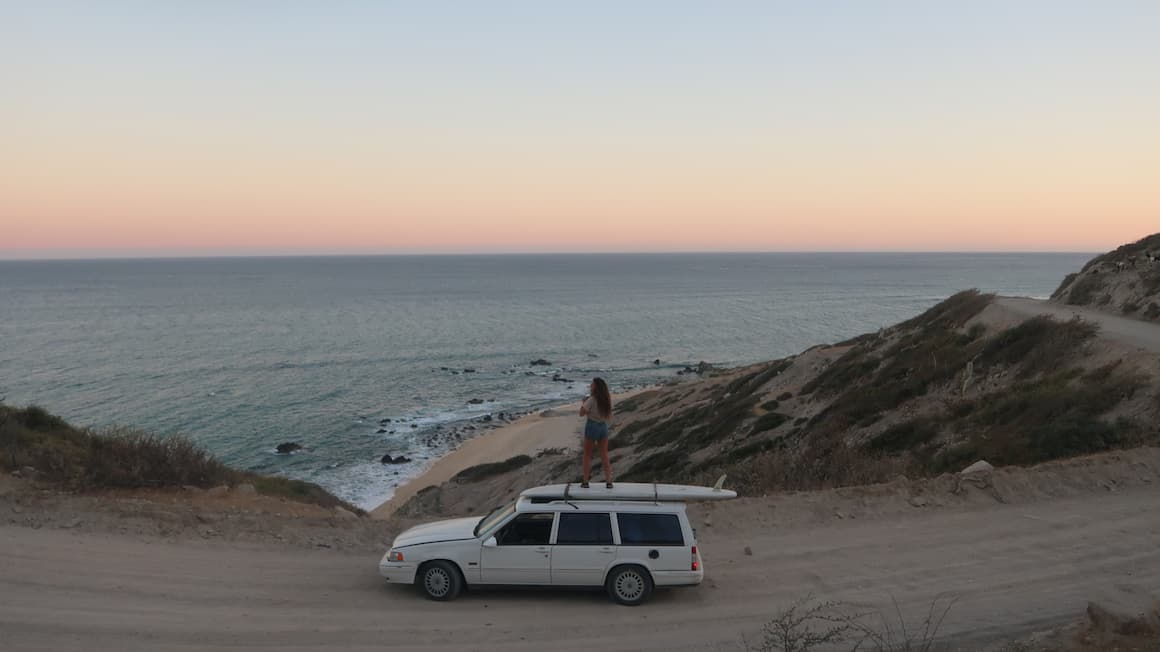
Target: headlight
394,555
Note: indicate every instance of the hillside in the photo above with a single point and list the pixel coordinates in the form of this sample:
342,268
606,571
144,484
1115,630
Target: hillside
1125,281
970,379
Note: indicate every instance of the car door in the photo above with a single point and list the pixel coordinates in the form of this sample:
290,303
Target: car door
583,548
519,553
653,538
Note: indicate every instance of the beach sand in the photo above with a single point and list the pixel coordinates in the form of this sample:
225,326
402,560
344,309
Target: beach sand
556,427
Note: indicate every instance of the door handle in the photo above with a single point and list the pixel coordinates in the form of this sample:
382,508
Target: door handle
542,549
608,551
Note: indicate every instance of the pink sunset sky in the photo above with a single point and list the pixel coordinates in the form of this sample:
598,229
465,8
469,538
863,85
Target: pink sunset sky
239,129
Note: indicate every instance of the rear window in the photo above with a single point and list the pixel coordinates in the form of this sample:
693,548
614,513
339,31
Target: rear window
650,529
584,530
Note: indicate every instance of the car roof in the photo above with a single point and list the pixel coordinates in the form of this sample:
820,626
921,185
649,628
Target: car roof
525,504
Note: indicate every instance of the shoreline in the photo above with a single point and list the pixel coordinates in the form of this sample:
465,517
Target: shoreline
558,426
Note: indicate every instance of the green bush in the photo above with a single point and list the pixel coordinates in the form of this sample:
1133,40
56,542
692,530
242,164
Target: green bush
1038,344
769,422
1082,290
904,436
482,471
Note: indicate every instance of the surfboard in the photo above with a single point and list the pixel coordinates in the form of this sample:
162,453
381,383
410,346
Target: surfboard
642,491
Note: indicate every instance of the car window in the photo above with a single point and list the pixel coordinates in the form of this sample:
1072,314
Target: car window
650,529
586,529
533,529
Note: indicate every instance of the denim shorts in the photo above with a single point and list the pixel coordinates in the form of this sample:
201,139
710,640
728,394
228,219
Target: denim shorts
595,430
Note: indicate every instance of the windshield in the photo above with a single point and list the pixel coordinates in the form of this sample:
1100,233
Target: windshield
494,516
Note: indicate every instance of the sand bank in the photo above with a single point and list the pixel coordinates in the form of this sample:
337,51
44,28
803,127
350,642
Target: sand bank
556,427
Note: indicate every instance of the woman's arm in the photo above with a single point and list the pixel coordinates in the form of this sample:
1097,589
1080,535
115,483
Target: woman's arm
584,407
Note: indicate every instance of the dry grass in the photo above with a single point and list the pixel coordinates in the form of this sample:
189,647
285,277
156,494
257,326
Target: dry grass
126,458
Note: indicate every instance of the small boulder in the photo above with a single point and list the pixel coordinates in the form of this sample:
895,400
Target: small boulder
918,501
468,371
657,362
387,459
539,362
475,401
486,417
286,448
982,466
381,431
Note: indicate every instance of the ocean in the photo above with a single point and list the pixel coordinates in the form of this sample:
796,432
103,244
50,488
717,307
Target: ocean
241,354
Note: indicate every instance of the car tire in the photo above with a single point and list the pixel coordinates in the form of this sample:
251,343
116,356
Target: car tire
629,585
439,580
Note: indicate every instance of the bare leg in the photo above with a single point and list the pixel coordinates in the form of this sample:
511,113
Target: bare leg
604,460
587,460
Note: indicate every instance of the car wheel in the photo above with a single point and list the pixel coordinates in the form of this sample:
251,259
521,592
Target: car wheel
440,580
629,585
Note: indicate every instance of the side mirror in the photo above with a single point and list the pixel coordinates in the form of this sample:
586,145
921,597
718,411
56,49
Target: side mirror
490,543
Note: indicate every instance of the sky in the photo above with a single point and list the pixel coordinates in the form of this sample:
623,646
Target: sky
260,127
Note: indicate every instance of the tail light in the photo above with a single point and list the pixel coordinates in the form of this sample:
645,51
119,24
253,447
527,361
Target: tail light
695,564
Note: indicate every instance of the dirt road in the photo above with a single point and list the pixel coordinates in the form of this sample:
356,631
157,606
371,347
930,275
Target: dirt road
1131,332
1013,568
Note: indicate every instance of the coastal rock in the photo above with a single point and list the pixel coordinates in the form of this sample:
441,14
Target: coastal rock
387,459
540,362
982,466
468,371
475,401
593,355
657,362
344,513
286,448
557,378
381,431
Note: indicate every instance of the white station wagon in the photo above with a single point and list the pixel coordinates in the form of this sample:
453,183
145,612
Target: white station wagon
627,539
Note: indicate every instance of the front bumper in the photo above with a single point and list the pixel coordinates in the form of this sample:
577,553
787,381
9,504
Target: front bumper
397,572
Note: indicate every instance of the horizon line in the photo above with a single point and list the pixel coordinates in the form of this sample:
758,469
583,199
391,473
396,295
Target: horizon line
483,254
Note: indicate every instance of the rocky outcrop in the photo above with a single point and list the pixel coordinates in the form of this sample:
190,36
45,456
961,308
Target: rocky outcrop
1125,281
286,448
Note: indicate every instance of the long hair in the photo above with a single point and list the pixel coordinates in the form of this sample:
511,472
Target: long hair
603,398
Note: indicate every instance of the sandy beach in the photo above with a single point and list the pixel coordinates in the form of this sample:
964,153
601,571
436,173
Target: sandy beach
557,427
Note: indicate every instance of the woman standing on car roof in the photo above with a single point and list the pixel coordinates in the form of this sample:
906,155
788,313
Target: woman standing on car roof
597,406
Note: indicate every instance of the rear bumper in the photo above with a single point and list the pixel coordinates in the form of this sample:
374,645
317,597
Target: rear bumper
397,573
678,578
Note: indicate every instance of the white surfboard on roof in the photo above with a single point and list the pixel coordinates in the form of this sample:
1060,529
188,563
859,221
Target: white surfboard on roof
646,491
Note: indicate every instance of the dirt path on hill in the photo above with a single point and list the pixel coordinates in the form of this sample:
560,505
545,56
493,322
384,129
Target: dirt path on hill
1014,567
1130,332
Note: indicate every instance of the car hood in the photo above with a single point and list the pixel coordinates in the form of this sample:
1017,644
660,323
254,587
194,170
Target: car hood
451,530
